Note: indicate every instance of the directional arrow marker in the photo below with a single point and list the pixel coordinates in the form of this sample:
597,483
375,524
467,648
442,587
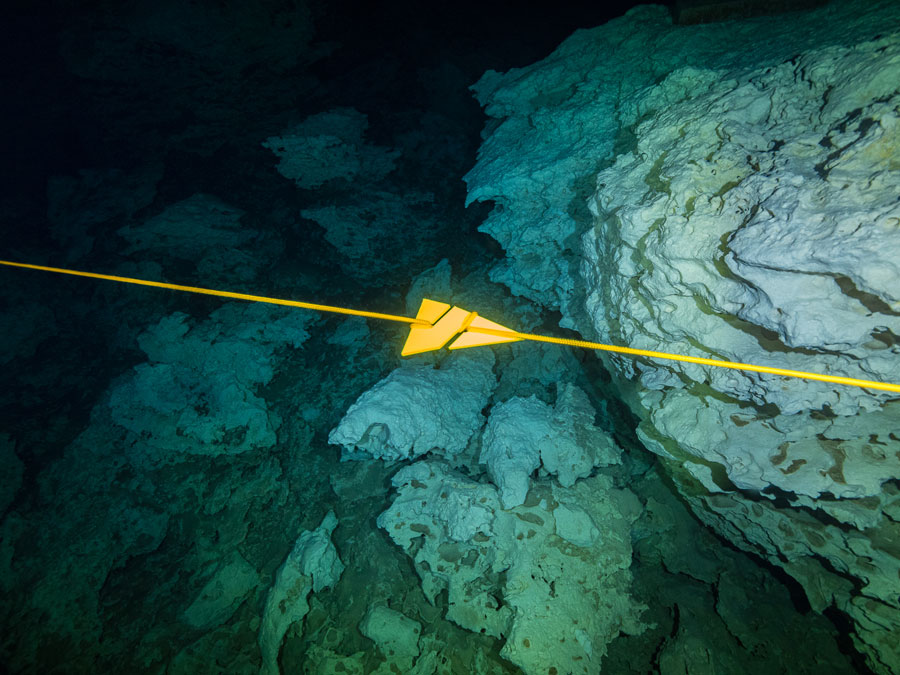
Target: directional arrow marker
446,322
434,326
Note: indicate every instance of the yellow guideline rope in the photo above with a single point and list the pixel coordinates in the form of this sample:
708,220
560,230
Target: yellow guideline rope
867,384
222,294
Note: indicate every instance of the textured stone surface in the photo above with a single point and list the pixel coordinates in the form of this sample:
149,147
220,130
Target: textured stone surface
396,635
742,206
418,409
363,214
312,565
206,232
148,543
508,573
712,604
329,146
197,394
356,228
108,522
433,283
511,446
231,582
523,434
787,265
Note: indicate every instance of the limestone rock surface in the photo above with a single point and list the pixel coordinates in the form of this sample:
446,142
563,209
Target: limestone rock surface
197,393
330,146
206,232
556,601
232,580
418,409
364,216
524,434
396,635
732,194
313,564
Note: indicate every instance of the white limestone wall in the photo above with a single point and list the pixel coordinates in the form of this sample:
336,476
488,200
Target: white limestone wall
730,191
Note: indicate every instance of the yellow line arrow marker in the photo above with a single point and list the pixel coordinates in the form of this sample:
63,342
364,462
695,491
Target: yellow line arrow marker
446,324
436,323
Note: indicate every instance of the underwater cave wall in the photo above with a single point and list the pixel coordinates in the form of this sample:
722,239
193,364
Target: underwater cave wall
730,191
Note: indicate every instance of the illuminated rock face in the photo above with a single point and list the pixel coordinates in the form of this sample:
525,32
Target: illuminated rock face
524,434
418,409
741,190
551,575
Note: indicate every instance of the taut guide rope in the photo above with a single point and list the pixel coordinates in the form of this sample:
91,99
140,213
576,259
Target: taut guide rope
482,327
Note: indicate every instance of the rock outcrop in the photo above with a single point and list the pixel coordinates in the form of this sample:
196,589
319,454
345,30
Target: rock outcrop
524,434
550,576
313,564
417,409
730,193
